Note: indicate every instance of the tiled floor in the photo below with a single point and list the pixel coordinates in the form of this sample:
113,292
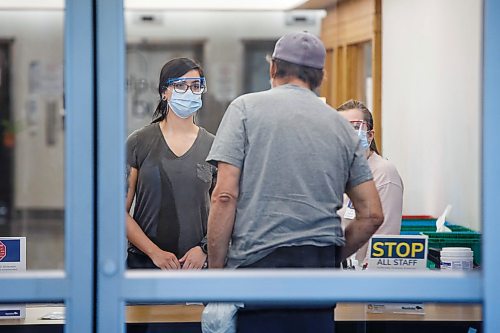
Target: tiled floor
44,241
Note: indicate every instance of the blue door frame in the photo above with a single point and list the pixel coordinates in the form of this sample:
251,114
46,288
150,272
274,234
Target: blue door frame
491,165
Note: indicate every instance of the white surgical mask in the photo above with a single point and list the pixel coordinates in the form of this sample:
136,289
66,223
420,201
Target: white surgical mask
185,104
363,138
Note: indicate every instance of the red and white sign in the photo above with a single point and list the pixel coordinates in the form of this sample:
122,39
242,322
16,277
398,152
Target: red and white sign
12,259
3,251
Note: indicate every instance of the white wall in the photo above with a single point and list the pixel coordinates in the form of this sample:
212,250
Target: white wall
431,103
39,180
39,172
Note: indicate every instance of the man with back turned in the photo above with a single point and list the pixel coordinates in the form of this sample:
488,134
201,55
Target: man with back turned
285,159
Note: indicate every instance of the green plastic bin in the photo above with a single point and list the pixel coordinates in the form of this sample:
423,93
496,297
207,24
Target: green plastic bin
416,226
458,237
470,239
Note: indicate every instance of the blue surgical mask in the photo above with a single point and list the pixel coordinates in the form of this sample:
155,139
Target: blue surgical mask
185,104
363,138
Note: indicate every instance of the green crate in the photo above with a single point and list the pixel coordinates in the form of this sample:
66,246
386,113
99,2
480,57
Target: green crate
470,239
416,229
431,265
416,226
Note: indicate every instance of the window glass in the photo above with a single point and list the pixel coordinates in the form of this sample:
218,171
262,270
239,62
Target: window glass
32,134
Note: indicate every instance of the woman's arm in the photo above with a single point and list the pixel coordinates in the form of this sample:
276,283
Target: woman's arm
391,197
162,259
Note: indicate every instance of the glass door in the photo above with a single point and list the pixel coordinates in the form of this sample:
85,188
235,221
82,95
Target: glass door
117,287
46,151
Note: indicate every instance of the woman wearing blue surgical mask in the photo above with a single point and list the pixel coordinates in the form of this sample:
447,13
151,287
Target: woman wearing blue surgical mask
385,175
168,177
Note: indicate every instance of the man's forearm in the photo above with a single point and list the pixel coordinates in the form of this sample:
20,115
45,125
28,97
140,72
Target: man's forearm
357,233
220,227
369,217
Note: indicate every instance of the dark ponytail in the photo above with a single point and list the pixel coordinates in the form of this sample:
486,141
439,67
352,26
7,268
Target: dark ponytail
367,116
173,69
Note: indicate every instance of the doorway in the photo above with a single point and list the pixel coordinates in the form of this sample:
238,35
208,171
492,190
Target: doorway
256,66
7,137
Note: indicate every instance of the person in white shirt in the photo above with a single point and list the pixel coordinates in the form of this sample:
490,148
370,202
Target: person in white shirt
385,175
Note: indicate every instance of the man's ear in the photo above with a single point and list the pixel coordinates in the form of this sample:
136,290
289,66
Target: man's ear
272,69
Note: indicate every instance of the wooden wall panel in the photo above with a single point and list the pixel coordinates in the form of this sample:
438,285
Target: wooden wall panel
328,79
377,75
349,24
340,83
348,33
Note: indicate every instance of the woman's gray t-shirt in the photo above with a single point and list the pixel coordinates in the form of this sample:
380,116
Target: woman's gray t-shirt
172,196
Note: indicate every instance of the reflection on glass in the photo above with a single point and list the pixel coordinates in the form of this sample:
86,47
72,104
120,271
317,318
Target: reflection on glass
32,133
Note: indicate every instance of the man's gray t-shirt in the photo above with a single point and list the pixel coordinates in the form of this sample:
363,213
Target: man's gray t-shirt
297,157
172,193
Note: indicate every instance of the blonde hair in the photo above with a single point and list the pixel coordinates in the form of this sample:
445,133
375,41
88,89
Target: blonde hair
367,116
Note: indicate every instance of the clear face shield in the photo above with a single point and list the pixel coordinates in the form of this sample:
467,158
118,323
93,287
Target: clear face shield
361,128
359,125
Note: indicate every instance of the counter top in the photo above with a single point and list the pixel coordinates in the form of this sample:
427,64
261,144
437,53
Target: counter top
192,313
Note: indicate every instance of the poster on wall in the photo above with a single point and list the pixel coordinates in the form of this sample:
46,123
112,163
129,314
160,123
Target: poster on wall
12,260
45,78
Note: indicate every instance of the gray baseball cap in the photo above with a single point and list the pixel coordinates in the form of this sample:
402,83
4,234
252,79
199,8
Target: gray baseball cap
301,48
